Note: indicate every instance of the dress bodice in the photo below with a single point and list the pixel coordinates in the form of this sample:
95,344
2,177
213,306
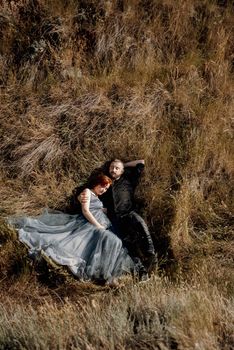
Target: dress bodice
96,208
95,202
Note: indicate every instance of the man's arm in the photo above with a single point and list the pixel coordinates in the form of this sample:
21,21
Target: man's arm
133,170
133,163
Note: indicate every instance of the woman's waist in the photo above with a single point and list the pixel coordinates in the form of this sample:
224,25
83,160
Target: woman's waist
100,216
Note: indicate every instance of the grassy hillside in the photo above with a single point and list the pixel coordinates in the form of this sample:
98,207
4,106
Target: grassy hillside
85,81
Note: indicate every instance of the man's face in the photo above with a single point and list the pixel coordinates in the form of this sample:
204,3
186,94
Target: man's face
116,169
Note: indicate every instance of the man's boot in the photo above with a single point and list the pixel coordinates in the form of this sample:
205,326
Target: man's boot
149,253
140,270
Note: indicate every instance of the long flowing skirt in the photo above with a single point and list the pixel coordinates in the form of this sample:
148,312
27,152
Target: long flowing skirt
89,252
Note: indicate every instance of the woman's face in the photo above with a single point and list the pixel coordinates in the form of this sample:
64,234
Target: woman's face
100,189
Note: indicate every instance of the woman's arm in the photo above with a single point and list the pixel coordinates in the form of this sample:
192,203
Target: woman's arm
85,209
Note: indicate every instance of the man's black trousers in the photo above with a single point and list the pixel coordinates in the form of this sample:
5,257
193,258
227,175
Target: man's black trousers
135,235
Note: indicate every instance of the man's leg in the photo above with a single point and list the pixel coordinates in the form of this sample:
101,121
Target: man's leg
130,240
139,225
144,240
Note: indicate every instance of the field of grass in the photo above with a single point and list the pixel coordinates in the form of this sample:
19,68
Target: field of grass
85,81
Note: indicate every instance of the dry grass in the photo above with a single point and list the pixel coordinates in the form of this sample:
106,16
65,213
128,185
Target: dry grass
156,315
82,82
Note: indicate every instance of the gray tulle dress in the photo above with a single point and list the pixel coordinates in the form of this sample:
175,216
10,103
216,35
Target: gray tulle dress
89,252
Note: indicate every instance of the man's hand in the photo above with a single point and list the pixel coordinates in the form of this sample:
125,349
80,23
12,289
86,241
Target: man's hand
83,197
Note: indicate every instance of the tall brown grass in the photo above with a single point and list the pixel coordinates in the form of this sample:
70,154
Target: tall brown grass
157,315
85,81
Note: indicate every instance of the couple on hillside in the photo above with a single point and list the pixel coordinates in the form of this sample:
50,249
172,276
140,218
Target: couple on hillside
99,239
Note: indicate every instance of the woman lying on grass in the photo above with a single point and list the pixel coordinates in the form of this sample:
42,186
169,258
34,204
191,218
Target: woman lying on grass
83,242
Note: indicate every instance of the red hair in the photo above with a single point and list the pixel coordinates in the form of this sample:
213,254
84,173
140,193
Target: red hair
100,179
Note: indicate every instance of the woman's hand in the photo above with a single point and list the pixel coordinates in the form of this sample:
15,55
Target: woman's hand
101,227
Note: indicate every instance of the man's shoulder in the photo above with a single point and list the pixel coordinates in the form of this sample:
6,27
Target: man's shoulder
126,179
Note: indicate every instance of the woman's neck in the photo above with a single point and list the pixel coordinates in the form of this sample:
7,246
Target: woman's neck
93,192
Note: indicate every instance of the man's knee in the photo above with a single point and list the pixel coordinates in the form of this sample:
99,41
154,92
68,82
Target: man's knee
140,226
137,220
